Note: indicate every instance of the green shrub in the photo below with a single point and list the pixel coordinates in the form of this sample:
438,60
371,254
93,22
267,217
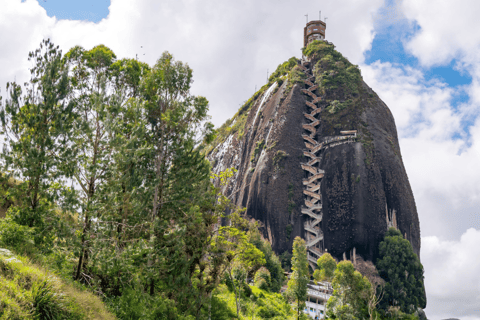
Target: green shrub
263,279
267,312
258,148
15,236
279,156
289,228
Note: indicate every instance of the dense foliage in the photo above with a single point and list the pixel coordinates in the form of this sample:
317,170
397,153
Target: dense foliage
27,292
402,271
350,295
105,182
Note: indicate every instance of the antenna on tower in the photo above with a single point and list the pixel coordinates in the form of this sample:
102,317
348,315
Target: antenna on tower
307,17
326,20
320,15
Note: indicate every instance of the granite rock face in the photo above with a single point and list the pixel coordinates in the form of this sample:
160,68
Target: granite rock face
322,115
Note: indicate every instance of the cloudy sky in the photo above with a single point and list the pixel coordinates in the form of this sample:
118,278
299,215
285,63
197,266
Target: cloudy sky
422,57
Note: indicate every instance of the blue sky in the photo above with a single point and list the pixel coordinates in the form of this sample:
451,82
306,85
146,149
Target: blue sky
91,10
387,46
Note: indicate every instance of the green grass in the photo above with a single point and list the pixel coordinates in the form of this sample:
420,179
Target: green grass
260,304
29,292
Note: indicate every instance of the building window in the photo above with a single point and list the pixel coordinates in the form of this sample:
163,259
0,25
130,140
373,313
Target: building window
315,29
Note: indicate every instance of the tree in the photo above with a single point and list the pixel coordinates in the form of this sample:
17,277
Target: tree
93,87
350,293
37,126
402,271
262,279
273,263
178,177
238,255
325,268
297,285
374,297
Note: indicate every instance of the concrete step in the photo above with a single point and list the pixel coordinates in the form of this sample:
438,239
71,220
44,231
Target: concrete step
309,139
311,203
309,117
313,178
311,230
312,194
314,112
310,128
310,213
316,187
311,94
308,168
315,241
313,161
311,105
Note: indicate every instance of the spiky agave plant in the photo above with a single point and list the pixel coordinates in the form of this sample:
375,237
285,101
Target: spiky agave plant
47,305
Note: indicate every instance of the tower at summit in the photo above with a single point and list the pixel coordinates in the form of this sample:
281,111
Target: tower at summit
314,30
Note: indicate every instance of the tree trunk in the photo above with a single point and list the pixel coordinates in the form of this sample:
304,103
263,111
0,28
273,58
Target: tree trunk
83,248
235,291
298,309
210,308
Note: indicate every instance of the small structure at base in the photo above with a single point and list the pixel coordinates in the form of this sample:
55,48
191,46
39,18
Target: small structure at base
317,297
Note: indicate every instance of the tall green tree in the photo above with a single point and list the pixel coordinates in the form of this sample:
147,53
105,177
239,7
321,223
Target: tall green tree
182,198
124,194
297,285
36,124
91,77
350,293
402,271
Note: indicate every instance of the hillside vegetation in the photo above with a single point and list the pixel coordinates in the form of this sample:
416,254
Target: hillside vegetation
28,292
105,185
109,208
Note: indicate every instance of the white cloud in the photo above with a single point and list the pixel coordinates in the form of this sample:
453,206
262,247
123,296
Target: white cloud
452,277
21,26
441,156
229,45
441,167
447,29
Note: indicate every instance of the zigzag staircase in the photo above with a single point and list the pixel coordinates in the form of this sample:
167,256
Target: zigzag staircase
313,198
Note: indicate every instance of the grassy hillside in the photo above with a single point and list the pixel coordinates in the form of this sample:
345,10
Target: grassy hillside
28,292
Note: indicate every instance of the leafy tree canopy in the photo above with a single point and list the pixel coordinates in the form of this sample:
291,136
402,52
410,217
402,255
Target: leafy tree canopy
326,268
402,271
350,295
